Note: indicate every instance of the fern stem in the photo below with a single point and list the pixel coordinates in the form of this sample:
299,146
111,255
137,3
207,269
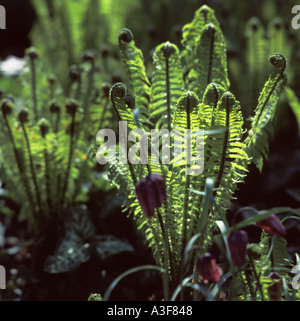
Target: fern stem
71,150
211,51
47,178
78,90
168,94
21,168
187,178
208,154
166,256
105,108
270,93
257,278
33,89
34,179
87,97
253,293
132,173
226,137
57,122
65,16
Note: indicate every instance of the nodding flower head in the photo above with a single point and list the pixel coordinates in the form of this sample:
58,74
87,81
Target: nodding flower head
208,269
54,108
151,193
6,107
74,73
23,115
32,53
274,290
237,242
272,225
106,88
51,80
44,126
71,106
88,55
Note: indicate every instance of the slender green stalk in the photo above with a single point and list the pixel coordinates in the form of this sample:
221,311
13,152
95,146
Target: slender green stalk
57,122
78,93
33,89
253,293
20,166
47,177
187,179
211,55
132,173
225,144
128,272
257,278
202,226
166,257
31,163
167,216
70,157
104,111
168,94
208,154
87,96
270,93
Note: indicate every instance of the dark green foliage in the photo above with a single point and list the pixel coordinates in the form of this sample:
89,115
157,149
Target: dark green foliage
80,242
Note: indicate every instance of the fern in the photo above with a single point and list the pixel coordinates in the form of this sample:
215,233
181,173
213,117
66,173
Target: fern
167,84
134,62
262,124
294,103
205,52
189,91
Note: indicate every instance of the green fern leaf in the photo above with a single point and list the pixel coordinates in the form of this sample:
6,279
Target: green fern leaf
167,84
133,61
205,52
262,129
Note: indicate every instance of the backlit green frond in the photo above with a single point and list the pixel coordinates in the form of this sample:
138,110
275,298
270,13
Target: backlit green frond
133,61
227,148
167,84
256,71
294,103
118,96
205,52
257,141
203,127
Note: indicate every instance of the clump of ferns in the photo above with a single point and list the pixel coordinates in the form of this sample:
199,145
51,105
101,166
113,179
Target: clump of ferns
187,90
46,139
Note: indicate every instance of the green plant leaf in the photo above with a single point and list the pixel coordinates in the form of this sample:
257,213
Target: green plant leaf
108,245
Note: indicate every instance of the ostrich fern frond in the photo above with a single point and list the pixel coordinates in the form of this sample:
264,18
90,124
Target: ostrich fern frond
189,91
